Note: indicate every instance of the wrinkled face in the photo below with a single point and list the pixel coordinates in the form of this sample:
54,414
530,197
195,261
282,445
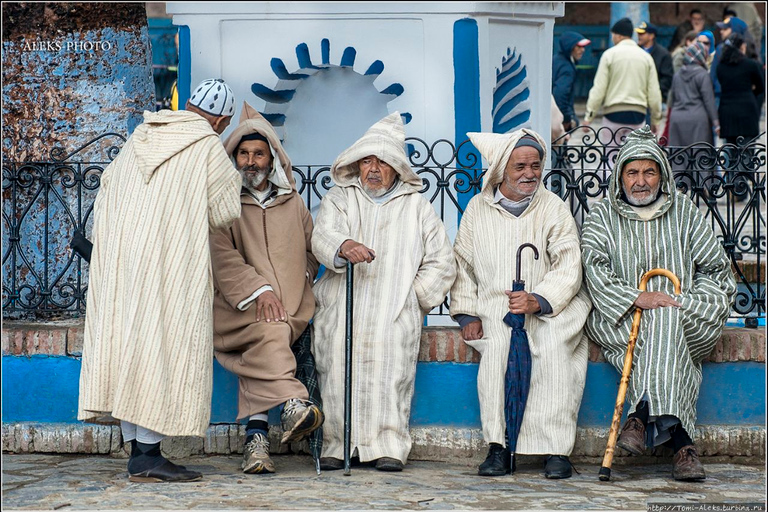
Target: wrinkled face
697,20
522,174
577,52
376,175
641,180
254,161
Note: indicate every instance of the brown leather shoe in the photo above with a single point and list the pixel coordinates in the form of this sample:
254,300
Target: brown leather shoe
632,437
686,464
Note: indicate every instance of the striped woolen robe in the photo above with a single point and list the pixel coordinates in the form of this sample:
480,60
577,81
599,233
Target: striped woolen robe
411,274
617,249
485,249
148,348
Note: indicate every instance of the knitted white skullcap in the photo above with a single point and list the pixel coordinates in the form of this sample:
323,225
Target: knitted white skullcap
214,97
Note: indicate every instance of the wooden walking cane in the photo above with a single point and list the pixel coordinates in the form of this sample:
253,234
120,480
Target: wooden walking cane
348,371
613,435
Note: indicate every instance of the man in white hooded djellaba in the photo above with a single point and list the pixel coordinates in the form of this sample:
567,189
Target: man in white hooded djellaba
376,218
514,208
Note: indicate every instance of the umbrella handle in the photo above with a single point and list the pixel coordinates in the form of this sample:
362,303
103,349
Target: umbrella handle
519,252
613,434
348,370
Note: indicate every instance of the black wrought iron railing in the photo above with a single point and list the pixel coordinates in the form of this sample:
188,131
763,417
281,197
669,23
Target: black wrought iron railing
45,202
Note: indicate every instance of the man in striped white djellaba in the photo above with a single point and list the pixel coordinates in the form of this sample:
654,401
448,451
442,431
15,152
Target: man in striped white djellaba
148,340
376,218
514,208
645,223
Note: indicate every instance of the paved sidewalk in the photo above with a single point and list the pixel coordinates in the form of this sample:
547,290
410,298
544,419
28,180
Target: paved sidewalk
66,482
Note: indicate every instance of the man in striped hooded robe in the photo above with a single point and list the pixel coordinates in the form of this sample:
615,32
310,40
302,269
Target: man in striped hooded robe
514,208
148,339
645,223
376,218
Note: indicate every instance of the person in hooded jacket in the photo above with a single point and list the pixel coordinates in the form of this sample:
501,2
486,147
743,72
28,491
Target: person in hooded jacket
572,46
263,269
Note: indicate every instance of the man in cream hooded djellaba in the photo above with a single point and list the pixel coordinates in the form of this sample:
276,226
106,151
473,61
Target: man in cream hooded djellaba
375,217
147,347
514,208
263,272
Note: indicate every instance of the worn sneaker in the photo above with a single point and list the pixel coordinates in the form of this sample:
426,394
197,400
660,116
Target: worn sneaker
300,418
632,437
686,465
256,456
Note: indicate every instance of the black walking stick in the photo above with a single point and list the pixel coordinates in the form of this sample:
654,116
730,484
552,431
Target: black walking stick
348,371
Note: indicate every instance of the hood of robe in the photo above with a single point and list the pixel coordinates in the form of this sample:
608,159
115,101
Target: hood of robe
641,144
164,134
386,141
253,122
497,148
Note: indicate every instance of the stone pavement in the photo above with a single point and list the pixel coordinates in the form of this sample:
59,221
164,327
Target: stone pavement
66,482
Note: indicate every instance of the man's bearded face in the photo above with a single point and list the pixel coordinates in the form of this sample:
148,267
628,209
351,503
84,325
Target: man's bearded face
522,174
376,175
254,161
641,180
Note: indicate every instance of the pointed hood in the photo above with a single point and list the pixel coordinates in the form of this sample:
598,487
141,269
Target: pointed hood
386,141
165,133
497,148
253,122
641,145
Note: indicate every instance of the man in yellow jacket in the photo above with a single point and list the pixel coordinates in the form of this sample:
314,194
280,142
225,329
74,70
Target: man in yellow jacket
626,86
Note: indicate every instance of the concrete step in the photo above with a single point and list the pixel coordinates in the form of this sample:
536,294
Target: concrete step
731,408
720,443
438,344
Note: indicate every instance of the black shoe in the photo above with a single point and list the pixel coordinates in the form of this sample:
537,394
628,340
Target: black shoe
147,464
498,462
558,466
389,464
166,472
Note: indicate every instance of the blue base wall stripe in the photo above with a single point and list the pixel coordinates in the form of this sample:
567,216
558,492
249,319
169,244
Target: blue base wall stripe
466,90
45,389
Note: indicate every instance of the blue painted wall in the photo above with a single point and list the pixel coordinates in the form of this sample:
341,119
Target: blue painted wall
466,91
446,393
83,84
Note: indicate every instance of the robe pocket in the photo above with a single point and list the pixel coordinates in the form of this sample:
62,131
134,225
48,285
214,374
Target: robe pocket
479,344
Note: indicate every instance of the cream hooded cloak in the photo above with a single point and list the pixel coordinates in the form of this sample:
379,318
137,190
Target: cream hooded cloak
485,249
411,274
147,348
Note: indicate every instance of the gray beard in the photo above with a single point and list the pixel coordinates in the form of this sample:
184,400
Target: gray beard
375,192
252,181
643,202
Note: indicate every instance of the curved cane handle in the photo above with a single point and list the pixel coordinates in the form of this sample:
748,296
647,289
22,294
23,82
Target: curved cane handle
659,272
519,252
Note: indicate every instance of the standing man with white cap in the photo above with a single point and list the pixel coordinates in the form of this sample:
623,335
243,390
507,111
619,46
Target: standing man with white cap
148,347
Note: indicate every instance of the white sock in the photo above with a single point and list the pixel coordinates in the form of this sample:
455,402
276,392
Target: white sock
262,416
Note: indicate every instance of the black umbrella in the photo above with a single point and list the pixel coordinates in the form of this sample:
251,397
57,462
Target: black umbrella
517,380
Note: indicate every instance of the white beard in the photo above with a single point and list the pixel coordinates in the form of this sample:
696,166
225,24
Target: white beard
643,202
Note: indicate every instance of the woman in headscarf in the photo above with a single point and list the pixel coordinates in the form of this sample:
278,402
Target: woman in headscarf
693,100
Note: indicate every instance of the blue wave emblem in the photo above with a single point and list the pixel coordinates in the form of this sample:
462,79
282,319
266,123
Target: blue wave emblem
511,105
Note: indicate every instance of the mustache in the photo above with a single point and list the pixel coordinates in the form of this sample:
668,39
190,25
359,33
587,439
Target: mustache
641,188
254,169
